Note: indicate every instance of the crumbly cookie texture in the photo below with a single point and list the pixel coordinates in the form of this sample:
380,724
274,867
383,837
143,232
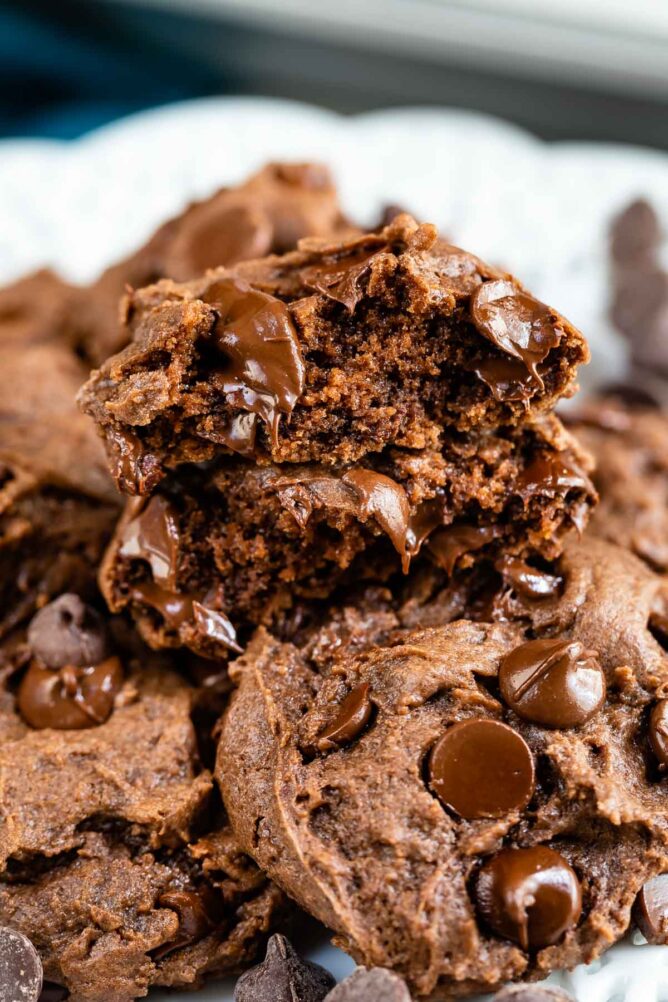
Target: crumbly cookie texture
58,504
467,803
630,447
267,213
325,355
116,858
217,550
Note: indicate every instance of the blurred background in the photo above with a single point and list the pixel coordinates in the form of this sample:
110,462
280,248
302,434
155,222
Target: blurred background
566,69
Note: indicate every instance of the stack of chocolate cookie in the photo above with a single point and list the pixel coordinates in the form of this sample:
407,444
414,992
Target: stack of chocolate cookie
354,645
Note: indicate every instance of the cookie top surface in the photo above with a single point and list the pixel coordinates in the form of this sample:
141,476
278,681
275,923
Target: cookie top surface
362,787
327,354
108,809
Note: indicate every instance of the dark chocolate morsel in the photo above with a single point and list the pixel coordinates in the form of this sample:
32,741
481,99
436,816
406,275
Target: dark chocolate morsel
515,322
650,911
20,968
658,732
482,768
530,896
68,632
556,683
283,977
353,716
371,984
194,919
531,993
448,545
69,698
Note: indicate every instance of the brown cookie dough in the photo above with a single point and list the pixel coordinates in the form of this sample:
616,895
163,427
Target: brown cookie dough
266,214
630,447
57,502
116,859
373,783
327,354
220,549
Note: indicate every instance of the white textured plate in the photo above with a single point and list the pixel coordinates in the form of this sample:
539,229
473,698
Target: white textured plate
540,210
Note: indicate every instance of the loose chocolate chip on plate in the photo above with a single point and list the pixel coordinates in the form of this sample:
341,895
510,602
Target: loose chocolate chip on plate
531,993
68,632
556,683
658,732
69,698
482,769
283,977
530,896
20,968
353,716
650,911
373,984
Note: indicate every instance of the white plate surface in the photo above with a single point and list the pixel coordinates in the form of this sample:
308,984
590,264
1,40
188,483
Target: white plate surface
541,210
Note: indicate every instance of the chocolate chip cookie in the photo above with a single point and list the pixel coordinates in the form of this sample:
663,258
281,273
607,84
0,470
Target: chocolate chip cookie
268,213
630,447
216,550
58,504
465,802
116,858
325,355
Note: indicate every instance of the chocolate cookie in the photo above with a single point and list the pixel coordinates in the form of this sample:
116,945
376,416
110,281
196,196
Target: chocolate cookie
630,447
36,309
216,550
449,800
266,214
326,355
57,502
116,859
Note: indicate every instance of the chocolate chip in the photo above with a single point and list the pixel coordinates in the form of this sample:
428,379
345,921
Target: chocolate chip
69,698
530,896
650,911
353,716
153,536
658,732
528,582
20,968
482,769
556,683
515,322
283,977
373,984
531,993
68,632
194,919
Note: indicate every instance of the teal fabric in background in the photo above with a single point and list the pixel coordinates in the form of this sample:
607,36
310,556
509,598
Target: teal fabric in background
64,71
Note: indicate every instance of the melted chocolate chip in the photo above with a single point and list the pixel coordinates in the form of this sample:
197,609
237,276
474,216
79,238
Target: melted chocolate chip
68,632
265,372
69,698
507,378
449,545
658,732
283,977
340,279
373,984
134,471
650,911
353,716
515,322
385,500
482,768
179,609
526,581
153,536
194,919
550,475
530,896
20,968
556,683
